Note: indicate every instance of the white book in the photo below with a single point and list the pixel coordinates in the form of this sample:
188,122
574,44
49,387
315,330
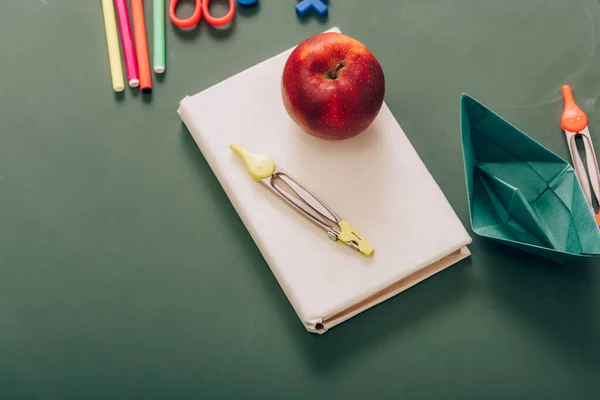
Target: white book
376,181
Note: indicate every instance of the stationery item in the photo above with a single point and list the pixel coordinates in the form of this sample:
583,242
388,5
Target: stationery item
159,53
127,43
263,169
574,122
112,43
201,7
141,45
376,180
520,193
305,6
247,2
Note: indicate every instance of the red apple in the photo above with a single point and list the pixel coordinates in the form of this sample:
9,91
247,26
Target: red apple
332,86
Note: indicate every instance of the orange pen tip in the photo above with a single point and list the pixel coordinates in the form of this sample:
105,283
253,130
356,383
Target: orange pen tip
573,118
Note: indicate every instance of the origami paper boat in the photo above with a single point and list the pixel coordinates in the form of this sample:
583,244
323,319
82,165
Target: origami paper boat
520,193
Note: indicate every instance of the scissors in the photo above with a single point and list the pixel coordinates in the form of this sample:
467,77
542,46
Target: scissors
263,169
574,123
201,7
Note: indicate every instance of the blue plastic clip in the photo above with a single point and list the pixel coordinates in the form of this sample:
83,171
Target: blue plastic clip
247,2
305,6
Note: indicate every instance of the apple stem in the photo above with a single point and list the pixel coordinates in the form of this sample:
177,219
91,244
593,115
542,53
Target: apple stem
334,73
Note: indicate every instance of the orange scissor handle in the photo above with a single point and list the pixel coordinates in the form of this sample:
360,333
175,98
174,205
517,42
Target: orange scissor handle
573,118
187,22
221,20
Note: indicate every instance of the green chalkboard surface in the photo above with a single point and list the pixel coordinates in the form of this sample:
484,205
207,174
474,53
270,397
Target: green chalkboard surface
125,272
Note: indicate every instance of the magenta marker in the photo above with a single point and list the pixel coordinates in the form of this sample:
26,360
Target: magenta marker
127,43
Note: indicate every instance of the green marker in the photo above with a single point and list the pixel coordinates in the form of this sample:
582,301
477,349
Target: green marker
159,57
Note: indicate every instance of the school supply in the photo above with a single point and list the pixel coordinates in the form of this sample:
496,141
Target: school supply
263,169
159,37
131,65
574,123
201,7
112,43
141,45
376,180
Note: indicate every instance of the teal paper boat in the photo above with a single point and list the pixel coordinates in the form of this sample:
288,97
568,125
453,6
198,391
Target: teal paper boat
520,193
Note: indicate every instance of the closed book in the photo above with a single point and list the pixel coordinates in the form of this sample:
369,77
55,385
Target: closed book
376,181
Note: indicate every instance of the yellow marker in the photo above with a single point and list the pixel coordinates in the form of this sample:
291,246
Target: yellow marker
263,169
112,42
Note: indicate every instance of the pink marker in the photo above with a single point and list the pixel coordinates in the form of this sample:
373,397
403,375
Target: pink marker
127,42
